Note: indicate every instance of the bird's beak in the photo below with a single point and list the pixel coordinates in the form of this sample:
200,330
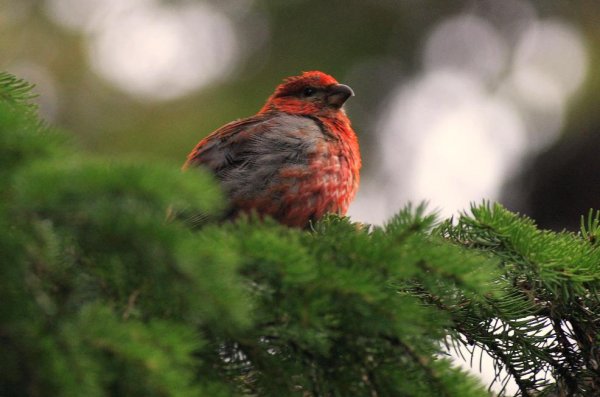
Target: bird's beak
338,94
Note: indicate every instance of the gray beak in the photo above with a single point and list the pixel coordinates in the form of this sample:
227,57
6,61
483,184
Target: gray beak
338,94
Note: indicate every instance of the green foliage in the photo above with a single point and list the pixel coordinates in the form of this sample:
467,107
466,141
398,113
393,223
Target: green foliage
547,322
16,92
102,294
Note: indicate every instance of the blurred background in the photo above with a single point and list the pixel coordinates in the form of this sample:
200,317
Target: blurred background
456,101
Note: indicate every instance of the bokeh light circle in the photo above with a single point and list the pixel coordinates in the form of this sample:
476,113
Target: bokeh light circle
159,53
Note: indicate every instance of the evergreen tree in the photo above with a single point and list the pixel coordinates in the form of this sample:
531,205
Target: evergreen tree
103,296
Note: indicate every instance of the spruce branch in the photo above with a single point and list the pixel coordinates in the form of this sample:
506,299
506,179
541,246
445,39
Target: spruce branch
16,91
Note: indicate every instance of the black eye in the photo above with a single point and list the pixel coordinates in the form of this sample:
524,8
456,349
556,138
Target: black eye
308,91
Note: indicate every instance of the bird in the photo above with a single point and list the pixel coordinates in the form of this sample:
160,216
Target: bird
295,161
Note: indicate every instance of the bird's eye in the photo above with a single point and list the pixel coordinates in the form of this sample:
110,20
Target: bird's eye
308,91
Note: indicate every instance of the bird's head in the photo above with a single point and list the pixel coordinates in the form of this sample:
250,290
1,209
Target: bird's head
311,93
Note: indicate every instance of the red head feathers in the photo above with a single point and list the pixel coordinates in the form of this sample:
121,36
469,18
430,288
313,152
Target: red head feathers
313,92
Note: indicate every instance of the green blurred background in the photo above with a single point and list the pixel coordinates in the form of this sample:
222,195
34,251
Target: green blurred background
455,100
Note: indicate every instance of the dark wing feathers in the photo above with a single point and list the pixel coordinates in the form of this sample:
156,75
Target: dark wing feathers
262,140
246,155
211,152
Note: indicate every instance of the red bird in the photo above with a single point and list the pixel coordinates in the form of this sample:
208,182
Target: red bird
295,160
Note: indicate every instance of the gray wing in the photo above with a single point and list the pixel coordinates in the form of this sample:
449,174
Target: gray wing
247,155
